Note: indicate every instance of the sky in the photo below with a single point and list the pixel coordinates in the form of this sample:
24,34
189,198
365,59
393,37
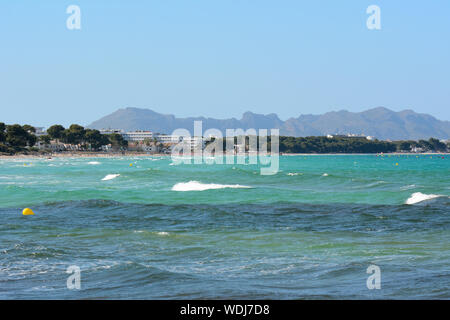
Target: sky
220,58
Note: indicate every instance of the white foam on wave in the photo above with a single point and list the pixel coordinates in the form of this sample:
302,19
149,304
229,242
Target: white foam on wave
325,175
94,162
408,187
198,186
294,173
376,183
110,177
419,197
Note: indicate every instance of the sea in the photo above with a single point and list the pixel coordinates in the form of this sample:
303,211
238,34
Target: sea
322,227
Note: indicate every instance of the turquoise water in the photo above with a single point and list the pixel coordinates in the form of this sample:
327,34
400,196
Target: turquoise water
162,231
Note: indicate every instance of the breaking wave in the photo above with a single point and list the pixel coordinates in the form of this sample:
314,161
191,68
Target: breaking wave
419,197
110,177
198,186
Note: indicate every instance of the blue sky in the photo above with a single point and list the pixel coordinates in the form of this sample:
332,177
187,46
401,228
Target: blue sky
220,58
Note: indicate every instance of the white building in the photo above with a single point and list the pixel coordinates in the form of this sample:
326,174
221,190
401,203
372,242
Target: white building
350,135
40,131
142,135
165,138
193,142
136,136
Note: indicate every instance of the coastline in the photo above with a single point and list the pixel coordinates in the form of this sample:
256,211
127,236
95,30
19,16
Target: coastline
144,154
81,155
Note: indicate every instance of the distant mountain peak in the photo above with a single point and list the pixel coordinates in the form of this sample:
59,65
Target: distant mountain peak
379,109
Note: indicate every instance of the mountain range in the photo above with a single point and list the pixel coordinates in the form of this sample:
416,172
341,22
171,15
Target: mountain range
380,122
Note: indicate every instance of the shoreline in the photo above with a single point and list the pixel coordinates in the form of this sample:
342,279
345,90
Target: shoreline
143,154
81,155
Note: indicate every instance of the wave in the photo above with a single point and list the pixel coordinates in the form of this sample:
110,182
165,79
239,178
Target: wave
408,187
110,177
93,162
419,197
198,186
325,175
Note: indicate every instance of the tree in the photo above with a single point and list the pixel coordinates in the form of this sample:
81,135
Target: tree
18,137
45,139
56,132
117,141
404,146
2,132
425,145
74,135
147,142
31,139
29,129
437,145
95,139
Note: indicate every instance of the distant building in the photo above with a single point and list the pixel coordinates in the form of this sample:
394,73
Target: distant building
351,135
40,131
193,142
164,138
134,136
141,135
111,131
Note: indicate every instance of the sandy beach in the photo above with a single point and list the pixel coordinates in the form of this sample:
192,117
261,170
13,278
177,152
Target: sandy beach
81,155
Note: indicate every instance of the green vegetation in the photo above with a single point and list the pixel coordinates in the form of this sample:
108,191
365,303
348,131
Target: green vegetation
347,145
56,132
423,145
2,132
117,141
334,145
16,138
357,145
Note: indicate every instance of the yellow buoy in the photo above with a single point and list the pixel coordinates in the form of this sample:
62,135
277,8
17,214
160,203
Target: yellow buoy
131,164
396,164
27,212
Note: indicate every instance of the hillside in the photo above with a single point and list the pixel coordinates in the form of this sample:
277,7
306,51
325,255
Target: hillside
379,122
